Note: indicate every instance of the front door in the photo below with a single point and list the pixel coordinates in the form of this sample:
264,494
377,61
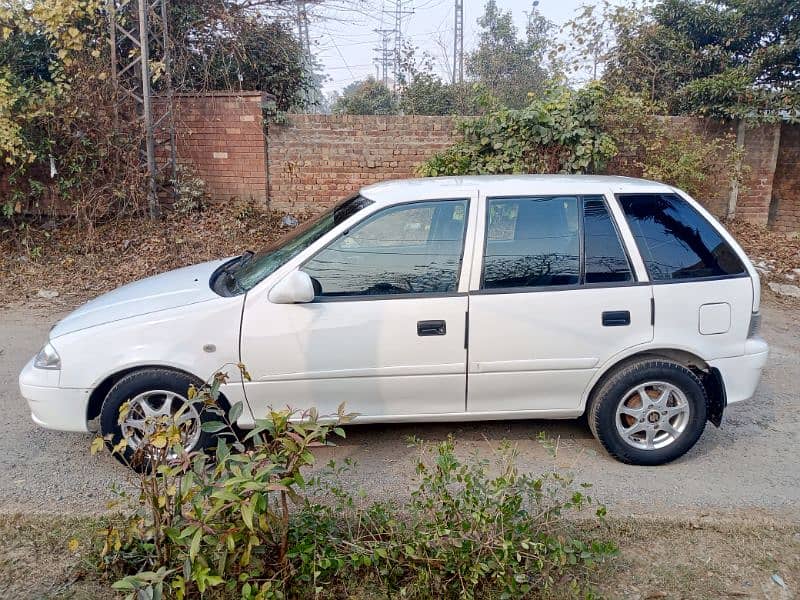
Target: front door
385,333
557,298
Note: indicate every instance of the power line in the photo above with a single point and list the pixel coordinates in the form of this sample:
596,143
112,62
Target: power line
339,51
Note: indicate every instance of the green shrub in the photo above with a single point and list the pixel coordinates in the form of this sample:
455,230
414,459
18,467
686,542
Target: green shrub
222,524
558,133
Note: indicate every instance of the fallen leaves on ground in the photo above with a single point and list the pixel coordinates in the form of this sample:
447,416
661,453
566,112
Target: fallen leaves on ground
776,254
77,261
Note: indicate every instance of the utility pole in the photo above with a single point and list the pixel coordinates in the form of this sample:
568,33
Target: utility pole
399,13
302,29
311,100
139,38
458,43
384,54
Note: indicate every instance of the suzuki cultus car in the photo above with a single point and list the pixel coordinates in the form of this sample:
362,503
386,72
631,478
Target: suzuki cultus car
443,299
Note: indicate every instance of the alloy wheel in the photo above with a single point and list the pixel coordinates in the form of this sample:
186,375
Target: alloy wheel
652,415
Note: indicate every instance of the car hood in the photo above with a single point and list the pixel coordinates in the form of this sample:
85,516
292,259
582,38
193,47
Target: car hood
173,289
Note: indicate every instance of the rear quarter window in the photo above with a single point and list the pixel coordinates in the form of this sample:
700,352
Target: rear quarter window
675,241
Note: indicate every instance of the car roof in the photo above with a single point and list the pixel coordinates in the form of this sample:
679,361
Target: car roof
404,190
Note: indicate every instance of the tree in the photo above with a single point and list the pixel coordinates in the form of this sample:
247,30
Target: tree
56,55
511,68
367,97
230,46
590,37
423,92
720,58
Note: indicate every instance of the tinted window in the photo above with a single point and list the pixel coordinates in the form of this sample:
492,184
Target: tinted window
604,258
279,252
675,241
531,242
408,249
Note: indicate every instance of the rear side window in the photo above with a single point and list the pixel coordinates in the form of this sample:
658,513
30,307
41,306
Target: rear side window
532,242
675,241
605,260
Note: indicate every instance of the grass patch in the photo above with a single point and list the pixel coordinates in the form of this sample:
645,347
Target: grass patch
50,557
709,558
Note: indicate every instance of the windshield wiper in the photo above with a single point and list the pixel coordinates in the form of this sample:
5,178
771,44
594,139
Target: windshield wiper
228,271
245,258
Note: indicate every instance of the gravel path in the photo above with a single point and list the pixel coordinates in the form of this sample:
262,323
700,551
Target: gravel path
749,466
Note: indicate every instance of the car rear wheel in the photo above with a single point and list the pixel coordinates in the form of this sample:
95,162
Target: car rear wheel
154,396
649,412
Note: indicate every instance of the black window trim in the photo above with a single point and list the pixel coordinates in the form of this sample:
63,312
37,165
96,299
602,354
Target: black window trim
416,295
652,281
623,245
581,285
701,279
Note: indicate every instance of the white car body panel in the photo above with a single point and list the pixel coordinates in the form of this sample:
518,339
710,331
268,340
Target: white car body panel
531,354
366,354
539,350
173,289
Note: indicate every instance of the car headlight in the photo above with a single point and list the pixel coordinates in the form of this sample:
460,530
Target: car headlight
47,358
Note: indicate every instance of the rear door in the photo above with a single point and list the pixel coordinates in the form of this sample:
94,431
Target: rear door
556,298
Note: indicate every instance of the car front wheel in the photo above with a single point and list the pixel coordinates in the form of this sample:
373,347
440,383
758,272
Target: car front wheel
155,397
649,412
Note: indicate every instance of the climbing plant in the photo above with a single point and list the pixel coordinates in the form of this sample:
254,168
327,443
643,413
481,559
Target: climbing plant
561,132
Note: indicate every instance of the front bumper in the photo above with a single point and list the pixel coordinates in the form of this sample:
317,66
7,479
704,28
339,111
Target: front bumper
53,407
741,374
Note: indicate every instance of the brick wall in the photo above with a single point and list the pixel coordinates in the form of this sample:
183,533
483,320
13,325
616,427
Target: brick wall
761,146
624,163
220,138
785,208
310,161
315,160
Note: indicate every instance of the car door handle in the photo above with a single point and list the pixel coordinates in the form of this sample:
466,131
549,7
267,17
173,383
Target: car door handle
431,328
616,318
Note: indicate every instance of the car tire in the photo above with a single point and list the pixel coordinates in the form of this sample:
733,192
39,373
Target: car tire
648,412
149,387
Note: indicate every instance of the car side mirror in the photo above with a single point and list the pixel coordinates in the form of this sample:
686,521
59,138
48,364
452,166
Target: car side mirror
295,288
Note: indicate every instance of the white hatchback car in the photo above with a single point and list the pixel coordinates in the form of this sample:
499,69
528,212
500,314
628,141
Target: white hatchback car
445,299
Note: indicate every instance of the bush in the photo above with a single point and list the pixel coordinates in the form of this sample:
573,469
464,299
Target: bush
222,524
559,133
584,132
691,161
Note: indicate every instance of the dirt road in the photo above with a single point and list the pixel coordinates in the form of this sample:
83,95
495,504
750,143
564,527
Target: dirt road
750,465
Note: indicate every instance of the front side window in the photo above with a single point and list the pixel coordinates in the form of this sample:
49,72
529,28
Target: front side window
532,242
675,241
279,252
407,249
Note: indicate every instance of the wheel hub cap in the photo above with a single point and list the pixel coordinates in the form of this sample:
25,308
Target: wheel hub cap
652,415
156,409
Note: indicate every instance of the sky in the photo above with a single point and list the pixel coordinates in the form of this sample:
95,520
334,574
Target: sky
343,36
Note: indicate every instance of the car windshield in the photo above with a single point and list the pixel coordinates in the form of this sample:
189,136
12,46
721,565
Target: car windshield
293,243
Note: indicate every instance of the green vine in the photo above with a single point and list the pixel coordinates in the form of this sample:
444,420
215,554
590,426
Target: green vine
562,132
